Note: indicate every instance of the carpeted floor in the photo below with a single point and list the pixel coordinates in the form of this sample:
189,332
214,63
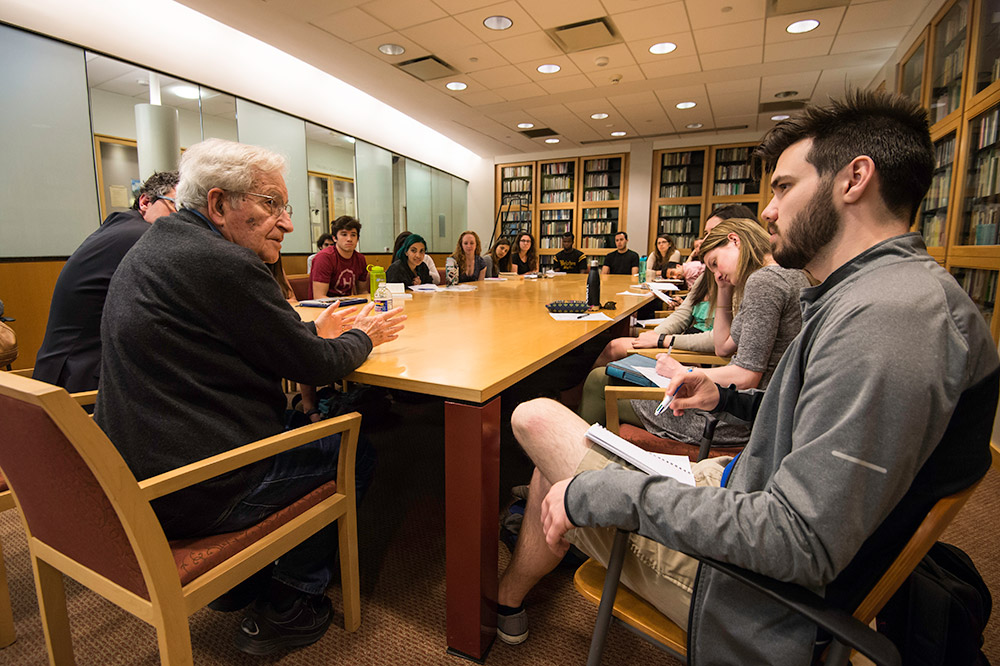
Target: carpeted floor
402,571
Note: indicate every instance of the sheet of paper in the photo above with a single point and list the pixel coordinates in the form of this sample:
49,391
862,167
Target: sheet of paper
575,316
653,376
496,279
663,296
119,196
657,464
662,286
630,293
648,323
426,287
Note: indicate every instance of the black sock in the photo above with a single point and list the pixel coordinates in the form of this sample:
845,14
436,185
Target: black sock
509,610
282,597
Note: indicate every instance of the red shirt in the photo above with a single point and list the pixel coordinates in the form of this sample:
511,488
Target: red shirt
341,274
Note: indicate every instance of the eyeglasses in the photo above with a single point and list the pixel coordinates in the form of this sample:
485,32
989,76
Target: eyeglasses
173,203
276,206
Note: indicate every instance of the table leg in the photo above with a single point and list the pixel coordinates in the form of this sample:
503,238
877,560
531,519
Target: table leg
472,489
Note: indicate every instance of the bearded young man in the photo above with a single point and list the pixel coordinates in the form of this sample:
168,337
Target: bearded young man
882,405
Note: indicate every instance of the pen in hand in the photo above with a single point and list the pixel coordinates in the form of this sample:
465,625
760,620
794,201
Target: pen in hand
667,397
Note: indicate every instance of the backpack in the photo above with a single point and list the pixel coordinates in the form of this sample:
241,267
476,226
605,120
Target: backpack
938,615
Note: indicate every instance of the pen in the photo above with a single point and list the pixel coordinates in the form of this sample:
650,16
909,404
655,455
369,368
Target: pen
667,397
671,345
583,315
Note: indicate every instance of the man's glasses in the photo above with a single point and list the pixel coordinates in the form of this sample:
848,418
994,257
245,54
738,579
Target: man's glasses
276,206
173,203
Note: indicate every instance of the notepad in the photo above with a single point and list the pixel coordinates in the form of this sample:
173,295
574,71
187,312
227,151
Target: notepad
657,464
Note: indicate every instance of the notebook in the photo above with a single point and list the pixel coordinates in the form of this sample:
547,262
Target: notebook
657,464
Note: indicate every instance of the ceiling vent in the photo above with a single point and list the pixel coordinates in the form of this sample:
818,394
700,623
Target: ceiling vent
591,34
783,106
785,7
427,68
538,132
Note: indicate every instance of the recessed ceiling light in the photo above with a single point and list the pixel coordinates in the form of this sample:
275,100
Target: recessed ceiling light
781,116
598,116
498,22
525,125
694,126
392,49
455,85
662,48
686,105
185,92
552,141
786,93
549,69
799,27
618,133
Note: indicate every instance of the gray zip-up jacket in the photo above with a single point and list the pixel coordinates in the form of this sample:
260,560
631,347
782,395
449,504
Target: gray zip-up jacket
883,404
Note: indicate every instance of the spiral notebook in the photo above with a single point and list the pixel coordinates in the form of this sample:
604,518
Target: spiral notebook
658,464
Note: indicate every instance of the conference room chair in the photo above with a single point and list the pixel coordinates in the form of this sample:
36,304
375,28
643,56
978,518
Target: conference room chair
300,286
96,525
7,634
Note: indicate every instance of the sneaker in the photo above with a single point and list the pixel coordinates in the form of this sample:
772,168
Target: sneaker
264,630
513,629
244,593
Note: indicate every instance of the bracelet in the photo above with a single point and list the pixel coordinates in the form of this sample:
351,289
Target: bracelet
659,343
313,411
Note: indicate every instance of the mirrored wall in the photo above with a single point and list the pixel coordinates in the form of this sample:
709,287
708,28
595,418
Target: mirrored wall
105,102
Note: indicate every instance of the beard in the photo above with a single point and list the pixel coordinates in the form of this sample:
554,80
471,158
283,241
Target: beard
808,232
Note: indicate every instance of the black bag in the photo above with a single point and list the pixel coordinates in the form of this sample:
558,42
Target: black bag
938,616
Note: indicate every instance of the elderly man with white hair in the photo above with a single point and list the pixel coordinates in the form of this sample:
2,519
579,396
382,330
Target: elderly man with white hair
196,339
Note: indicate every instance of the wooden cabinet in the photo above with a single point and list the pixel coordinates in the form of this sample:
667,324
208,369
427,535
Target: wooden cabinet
948,39
557,197
912,75
975,233
514,189
732,178
979,280
984,53
603,182
680,184
936,215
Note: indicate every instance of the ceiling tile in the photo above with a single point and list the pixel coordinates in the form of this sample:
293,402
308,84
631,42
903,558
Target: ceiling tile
709,13
458,6
574,129
522,91
751,55
523,24
829,22
618,56
614,76
805,48
619,6
644,98
567,68
351,25
872,39
527,47
554,13
750,120
684,41
652,21
654,70
101,69
403,13
729,37
743,85
835,82
413,50
584,108
803,83
500,77
735,102
669,97
566,84
442,31
307,10
481,98
471,58
882,14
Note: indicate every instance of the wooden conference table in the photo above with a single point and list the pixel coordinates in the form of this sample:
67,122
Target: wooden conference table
467,347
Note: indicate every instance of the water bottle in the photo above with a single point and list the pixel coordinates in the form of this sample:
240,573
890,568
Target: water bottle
642,268
451,274
376,276
594,284
382,298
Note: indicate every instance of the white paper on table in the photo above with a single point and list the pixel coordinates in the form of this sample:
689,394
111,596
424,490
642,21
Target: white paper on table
652,375
496,279
663,297
658,464
628,293
396,287
426,287
576,316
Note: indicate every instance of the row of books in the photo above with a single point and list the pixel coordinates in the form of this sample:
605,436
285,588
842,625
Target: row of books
522,198
676,175
600,180
550,242
988,123
593,228
682,240
986,181
557,197
678,159
679,225
516,185
595,242
673,191
955,24
981,286
732,171
732,154
983,222
729,189
557,183
512,229
556,215
555,228
604,164
933,228
600,214
944,152
951,67
601,195
557,168
679,210
937,194
518,171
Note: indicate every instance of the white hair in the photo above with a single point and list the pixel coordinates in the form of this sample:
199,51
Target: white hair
228,165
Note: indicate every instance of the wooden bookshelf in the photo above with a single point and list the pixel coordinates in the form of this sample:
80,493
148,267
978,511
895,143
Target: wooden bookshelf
979,280
558,193
936,216
603,186
912,73
514,192
680,189
732,180
977,215
983,80
948,38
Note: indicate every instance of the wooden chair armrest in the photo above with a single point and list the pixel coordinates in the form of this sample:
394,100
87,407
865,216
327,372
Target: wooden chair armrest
84,397
685,356
24,372
612,394
202,470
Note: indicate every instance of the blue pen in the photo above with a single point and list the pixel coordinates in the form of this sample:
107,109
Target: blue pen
660,408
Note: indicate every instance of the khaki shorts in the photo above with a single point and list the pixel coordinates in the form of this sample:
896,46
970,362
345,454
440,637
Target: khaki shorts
661,576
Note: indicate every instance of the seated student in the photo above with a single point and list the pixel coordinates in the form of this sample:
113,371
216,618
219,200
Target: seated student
471,267
525,260
323,242
498,260
856,438
766,299
340,270
689,271
428,260
570,259
622,261
409,267
664,255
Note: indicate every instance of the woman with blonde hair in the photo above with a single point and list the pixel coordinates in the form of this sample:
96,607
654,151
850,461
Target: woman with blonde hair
466,258
757,314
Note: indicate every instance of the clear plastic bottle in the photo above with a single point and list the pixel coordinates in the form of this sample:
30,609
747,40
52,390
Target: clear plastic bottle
382,298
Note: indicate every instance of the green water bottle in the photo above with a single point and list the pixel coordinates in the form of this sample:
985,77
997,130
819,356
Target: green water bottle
376,276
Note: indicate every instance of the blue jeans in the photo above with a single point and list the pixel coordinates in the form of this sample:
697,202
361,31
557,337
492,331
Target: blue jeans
309,566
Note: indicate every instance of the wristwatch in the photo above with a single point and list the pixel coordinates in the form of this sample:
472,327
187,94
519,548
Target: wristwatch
659,343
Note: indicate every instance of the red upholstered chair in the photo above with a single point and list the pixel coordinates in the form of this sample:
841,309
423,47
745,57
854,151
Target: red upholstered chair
300,285
645,439
96,524
7,634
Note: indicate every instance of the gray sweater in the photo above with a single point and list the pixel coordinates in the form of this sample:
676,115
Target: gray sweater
881,405
196,339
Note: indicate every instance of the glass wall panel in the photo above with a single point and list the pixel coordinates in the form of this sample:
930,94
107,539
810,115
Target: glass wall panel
331,178
418,199
48,191
218,115
374,197
261,126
